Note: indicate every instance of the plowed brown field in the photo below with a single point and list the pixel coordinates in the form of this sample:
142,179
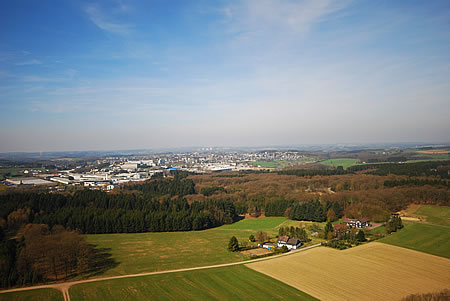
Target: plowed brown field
373,271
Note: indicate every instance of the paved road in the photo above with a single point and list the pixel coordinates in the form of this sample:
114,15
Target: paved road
64,287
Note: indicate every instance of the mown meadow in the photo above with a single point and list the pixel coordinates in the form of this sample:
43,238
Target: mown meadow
44,294
227,283
147,252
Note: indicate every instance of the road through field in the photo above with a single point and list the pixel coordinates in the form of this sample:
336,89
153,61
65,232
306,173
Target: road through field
64,287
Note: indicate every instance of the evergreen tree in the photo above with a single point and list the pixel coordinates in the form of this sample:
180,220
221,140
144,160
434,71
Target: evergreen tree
360,236
328,229
233,244
337,209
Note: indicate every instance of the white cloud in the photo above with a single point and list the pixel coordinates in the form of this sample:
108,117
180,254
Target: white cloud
102,21
270,16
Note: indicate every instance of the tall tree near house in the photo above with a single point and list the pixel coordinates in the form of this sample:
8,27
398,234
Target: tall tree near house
328,229
233,244
360,236
331,215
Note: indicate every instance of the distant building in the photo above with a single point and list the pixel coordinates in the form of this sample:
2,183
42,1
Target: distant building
356,223
129,166
65,181
29,181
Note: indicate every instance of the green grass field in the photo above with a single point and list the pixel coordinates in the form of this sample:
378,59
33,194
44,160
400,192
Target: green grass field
228,283
344,162
435,214
283,163
147,252
422,237
44,294
433,239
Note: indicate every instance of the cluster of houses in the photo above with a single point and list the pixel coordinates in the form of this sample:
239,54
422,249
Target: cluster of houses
291,243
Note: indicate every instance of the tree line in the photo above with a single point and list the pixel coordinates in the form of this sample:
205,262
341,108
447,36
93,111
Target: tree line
313,172
172,186
433,168
416,182
292,231
315,211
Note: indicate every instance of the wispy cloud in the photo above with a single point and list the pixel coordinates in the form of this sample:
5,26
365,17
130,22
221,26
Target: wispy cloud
105,22
270,30
258,16
29,62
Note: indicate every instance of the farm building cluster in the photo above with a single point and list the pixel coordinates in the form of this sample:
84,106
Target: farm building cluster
291,243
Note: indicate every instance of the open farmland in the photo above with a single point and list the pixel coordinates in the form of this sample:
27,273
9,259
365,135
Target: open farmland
344,162
147,252
431,239
373,271
229,283
44,294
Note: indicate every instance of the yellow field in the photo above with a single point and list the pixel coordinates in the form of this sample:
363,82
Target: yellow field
373,271
434,151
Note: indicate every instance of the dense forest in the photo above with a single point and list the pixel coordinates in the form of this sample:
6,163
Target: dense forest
153,206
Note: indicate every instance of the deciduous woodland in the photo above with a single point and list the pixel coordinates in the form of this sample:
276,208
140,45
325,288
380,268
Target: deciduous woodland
185,202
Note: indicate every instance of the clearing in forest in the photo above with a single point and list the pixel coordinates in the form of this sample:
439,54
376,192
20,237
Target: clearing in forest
372,271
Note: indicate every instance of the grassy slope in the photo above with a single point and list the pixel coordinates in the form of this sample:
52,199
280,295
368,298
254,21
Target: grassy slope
344,162
433,239
435,214
146,252
229,283
422,237
39,294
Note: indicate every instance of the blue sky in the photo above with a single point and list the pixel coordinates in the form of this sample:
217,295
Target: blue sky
79,75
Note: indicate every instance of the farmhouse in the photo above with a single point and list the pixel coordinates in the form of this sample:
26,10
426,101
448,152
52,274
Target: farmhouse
356,223
289,242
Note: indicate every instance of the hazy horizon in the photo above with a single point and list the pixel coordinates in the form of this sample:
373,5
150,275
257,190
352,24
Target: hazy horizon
119,75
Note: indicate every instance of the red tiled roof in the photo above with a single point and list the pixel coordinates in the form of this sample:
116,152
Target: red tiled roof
293,241
353,220
283,238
